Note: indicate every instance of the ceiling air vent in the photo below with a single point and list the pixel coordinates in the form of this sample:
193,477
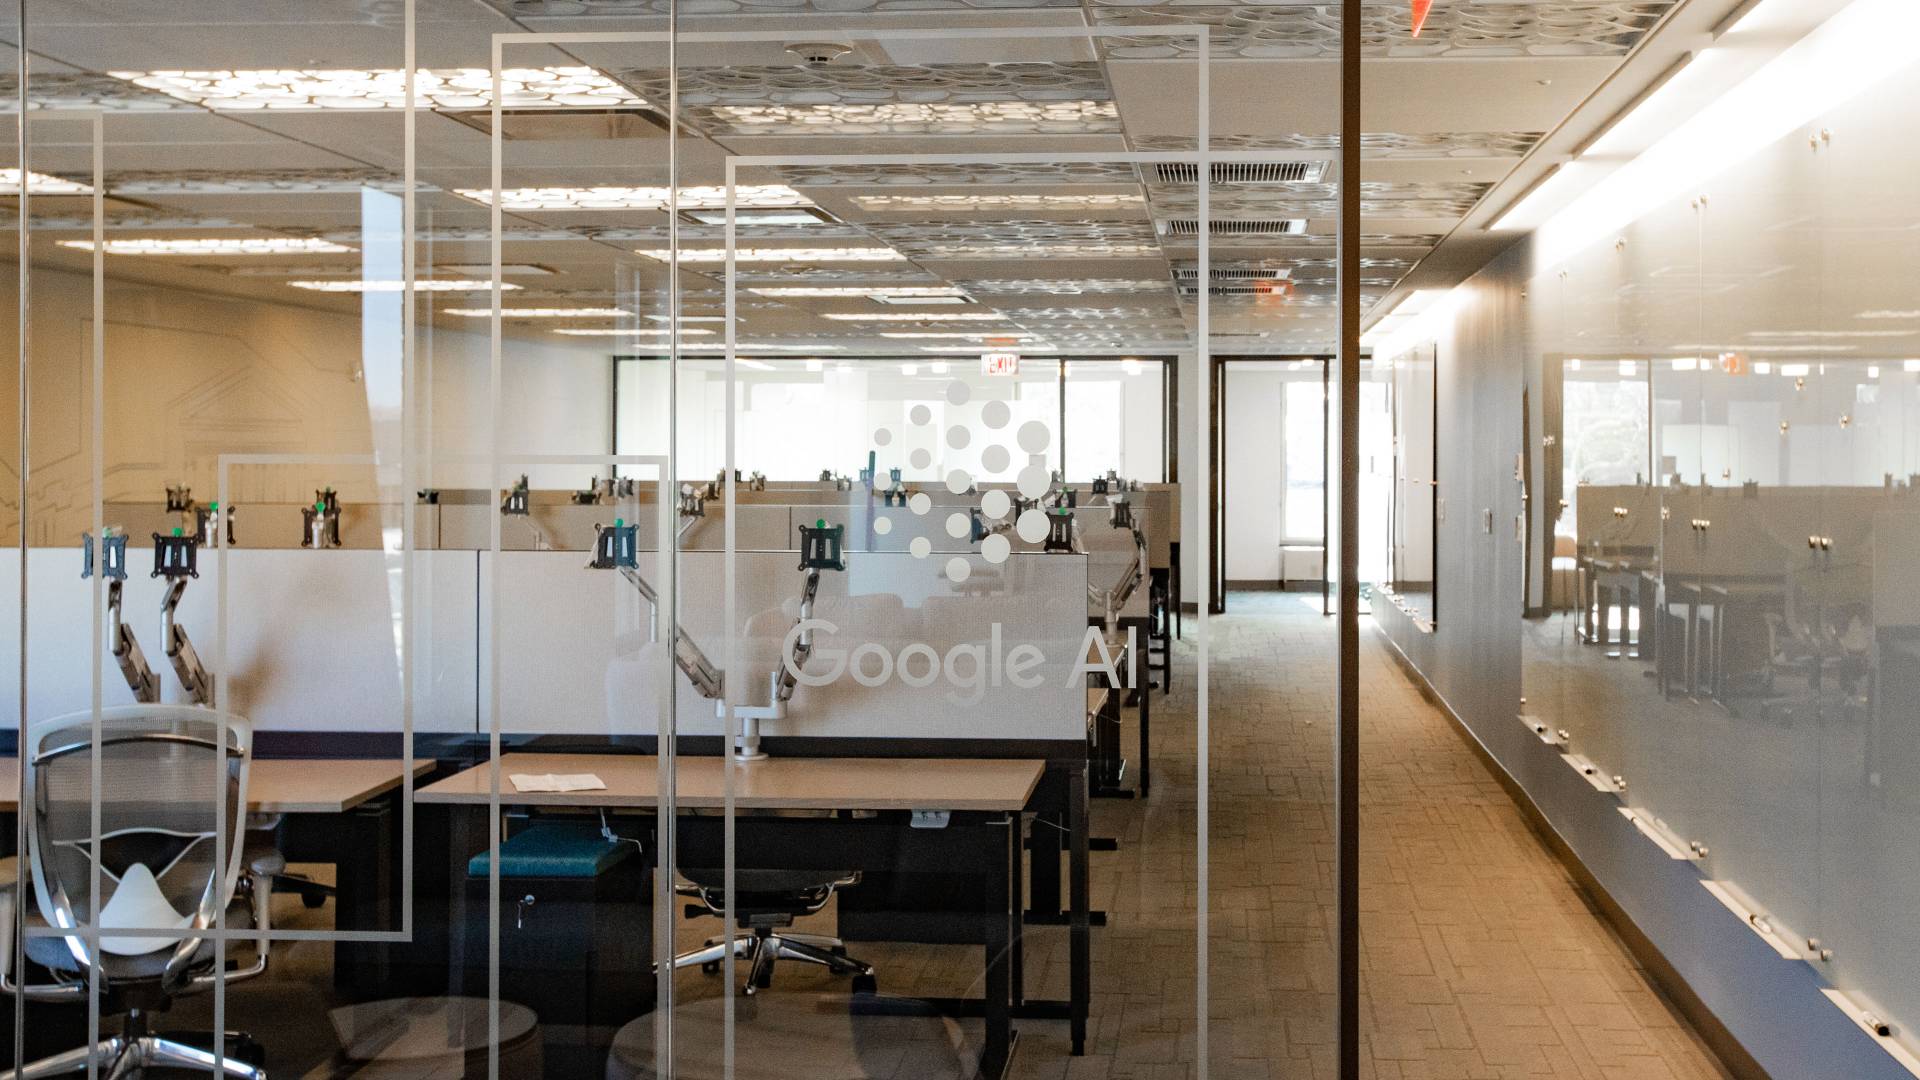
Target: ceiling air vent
1234,227
1190,272
1243,172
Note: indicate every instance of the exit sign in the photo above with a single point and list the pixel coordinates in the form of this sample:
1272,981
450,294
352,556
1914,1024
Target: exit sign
1000,363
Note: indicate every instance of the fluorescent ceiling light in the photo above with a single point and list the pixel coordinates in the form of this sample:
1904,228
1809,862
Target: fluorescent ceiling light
745,214
916,316
904,301
964,117
1043,251
1910,365
1829,333
539,312
1796,371
691,318
615,331
356,285
930,335
909,369
1859,46
873,292
938,367
763,346
997,202
634,198
485,269
1888,315
780,255
278,245
308,89
40,184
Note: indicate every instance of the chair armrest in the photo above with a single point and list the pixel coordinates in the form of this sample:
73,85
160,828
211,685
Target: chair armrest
61,991
259,888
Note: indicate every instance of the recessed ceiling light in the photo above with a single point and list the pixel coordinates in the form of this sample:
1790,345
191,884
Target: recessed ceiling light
539,312
40,184
908,301
1043,251
997,202
634,198
485,269
691,318
938,117
916,316
783,255
933,334
287,90
356,285
278,245
613,331
749,215
883,293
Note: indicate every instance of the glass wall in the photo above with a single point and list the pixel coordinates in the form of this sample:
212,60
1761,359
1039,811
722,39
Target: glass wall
1730,638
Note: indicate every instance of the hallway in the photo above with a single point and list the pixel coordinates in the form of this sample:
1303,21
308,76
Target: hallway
1481,959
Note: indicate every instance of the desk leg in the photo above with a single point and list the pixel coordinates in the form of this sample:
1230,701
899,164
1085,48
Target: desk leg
1080,938
1001,912
1016,889
1044,850
363,896
1146,727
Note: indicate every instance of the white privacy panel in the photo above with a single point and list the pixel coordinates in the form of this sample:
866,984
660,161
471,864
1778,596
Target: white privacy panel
575,655
311,636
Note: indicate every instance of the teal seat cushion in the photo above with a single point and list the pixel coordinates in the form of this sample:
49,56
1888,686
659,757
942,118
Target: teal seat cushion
554,850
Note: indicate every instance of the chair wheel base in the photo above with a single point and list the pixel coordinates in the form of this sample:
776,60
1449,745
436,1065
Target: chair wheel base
866,984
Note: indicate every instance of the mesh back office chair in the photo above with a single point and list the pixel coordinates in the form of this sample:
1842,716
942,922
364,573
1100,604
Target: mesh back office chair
167,772
765,902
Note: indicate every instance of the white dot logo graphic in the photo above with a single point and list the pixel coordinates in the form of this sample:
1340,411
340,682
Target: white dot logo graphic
921,458
958,393
958,481
1033,481
882,437
1032,526
996,548
920,503
958,437
995,504
921,416
959,525
921,547
1034,437
883,525
958,570
995,459
995,414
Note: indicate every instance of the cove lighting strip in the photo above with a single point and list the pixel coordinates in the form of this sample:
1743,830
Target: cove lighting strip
315,89
279,245
964,117
1865,43
356,285
932,334
635,198
779,255
41,184
539,313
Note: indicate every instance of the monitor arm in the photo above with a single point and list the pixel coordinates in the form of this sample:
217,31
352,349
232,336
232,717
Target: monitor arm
616,548
179,648
127,653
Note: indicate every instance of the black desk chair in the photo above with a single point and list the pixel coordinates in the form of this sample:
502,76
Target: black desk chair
765,903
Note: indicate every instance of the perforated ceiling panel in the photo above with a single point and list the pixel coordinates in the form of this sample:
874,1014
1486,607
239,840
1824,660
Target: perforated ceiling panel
1373,144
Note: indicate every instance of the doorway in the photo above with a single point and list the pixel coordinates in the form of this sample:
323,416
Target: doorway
1270,497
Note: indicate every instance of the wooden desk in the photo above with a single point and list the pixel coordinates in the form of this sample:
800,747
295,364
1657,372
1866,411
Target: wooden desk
978,785
775,783
284,785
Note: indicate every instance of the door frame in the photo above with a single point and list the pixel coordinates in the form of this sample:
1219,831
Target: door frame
1218,465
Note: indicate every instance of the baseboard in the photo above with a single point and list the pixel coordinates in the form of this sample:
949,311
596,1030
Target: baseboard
1733,1056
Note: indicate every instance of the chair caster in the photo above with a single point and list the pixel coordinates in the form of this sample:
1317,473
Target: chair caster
711,967
312,900
866,984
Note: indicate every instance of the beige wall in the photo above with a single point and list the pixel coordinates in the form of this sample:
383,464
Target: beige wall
190,376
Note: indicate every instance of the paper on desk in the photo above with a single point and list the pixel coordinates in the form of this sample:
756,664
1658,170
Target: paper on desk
556,782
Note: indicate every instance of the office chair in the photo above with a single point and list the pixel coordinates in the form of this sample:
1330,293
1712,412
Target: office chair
169,771
765,901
